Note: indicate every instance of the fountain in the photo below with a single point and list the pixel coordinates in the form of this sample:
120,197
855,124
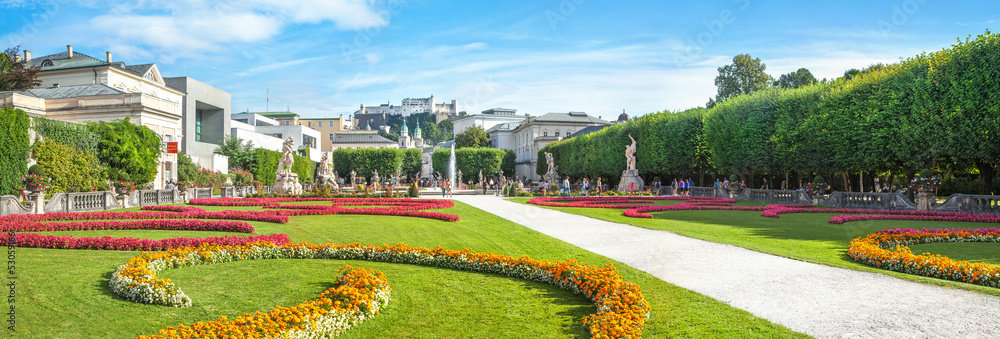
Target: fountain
451,167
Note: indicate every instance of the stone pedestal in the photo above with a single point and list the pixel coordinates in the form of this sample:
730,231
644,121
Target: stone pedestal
630,182
326,181
184,196
734,192
816,201
287,184
39,200
122,200
924,199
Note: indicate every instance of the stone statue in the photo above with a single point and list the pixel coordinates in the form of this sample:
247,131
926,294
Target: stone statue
550,162
285,181
287,158
551,176
354,178
458,182
324,175
630,182
501,174
375,179
630,154
481,178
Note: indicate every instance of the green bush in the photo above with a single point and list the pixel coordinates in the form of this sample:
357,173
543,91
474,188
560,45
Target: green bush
129,148
14,144
414,191
470,161
819,179
36,169
69,169
186,169
265,164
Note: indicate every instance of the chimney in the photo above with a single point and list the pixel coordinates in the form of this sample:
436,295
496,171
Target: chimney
69,51
109,57
17,58
55,85
27,55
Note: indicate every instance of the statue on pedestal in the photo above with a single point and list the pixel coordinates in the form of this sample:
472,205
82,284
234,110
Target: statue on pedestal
458,181
324,175
630,182
285,181
354,178
551,176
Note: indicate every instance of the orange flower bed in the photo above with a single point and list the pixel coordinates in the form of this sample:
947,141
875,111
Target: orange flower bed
359,294
888,250
621,308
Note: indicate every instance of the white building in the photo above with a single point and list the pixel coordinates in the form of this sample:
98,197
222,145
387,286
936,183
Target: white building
487,119
502,135
206,112
78,88
361,139
405,141
268,133
411,106
536,132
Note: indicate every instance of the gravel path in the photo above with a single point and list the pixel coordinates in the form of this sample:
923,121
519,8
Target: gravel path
822,301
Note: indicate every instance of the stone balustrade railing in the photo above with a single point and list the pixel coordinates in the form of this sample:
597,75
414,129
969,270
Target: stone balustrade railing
882,201
81,202
713,192
153,197
199,193
970,203
10,205
775,196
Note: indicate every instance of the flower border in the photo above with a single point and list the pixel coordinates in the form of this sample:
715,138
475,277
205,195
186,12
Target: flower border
621,308
888,250
359,294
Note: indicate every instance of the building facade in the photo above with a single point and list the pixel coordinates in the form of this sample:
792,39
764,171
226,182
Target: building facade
362,139
206,123
411,106
537,132
487,119
326,127
77,88
270,133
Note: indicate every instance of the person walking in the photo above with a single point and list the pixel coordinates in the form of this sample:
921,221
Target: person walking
444,189
584,186
673,186
599,187
690,184
565,190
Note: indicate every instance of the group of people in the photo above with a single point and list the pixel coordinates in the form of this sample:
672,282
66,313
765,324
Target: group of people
682,187
566,189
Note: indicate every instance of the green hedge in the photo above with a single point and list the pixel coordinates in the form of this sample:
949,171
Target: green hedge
128,148
14,143
265,164
78,136
364,161
470,161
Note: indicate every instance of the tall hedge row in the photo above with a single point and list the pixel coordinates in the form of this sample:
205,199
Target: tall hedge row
265,164
471,160
14,149
939,110
71,134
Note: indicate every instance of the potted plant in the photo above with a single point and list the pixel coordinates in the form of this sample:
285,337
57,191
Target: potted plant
925,183
815,188
36,181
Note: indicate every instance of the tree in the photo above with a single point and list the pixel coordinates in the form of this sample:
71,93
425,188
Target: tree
746,75
474,136
799,78
16,75
851,73
240,155
388,135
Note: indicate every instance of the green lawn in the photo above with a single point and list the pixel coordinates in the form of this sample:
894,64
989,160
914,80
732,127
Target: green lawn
64,293
803,236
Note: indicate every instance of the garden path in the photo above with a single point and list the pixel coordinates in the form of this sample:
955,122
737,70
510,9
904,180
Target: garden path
819,300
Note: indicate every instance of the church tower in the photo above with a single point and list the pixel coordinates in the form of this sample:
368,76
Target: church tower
418,141
404,137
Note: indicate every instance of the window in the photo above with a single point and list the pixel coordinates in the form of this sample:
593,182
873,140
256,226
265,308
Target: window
198,116
331,136
557,133
545,134
311,124
286,122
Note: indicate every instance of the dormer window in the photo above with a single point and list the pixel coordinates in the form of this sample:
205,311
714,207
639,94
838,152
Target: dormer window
150,76
47,63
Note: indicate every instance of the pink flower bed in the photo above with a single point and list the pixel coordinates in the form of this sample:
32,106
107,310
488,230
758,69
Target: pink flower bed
176,225
619,202
953,216
392,206
132,244
643,212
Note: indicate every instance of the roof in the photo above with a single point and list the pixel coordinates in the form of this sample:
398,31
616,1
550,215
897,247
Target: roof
571,117
504,127
359,138
278,115
587,130
71,91
63,61
139,69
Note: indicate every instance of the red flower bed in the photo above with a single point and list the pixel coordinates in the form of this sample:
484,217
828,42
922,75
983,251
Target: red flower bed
132,244
176,225
392,206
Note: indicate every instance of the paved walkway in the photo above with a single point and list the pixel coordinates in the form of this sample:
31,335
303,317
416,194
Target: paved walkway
822,301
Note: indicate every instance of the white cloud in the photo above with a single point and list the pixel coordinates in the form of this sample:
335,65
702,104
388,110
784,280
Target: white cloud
276,66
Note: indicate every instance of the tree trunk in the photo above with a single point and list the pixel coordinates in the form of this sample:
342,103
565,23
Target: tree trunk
909,178
986,173
847,182
701,178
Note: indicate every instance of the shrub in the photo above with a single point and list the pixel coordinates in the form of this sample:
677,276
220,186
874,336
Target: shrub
70,169
128,147
414,191
78,136
36,169
186,169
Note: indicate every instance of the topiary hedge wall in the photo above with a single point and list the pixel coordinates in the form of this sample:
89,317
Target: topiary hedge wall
14,124
470,161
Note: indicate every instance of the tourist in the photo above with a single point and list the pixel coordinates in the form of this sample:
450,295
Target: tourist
565,189
598,188
690,184
784,184
673,185
444,188
170,185
520,187
766,185
584,186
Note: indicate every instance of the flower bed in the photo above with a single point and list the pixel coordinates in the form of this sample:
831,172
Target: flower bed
392,206
357,295
197,213
775,211
132,244
621,307
619,202
174,225
888,250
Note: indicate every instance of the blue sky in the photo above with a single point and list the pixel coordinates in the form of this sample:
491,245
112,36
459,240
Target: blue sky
322,58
